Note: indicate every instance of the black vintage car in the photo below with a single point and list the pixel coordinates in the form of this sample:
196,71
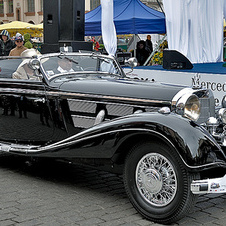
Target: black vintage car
166,140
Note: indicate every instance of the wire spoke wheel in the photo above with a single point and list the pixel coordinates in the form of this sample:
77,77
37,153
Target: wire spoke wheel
157,182
156,179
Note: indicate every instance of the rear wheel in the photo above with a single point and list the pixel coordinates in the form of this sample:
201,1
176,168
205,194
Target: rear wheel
157,184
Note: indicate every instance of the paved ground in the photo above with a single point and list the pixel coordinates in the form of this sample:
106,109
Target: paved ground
58,194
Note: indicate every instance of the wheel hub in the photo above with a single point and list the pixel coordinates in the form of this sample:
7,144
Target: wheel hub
152,181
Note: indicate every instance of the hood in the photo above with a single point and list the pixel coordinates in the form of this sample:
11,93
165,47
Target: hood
121,87
6,33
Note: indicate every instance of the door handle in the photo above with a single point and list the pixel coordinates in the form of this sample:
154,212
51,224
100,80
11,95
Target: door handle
43,100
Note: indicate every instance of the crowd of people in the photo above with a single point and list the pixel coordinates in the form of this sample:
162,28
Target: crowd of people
18,46
14,46
9,47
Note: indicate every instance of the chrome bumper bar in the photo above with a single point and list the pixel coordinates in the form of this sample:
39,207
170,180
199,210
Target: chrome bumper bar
208,186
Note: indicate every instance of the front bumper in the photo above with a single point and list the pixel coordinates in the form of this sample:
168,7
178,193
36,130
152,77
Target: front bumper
208,186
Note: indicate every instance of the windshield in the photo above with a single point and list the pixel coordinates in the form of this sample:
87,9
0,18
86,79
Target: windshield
78,64
8,67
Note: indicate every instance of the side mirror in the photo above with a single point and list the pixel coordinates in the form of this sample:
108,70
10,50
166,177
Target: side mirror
34,64
131,62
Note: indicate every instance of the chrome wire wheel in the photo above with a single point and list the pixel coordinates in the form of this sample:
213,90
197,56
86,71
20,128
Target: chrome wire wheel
156,179
157,182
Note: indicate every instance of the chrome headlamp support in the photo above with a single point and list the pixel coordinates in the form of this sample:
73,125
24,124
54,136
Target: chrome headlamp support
213,125
187,104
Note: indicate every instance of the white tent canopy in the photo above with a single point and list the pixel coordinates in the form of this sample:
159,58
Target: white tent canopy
194,28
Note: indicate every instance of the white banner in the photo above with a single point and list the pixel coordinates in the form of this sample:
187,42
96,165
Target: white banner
195,28
108,27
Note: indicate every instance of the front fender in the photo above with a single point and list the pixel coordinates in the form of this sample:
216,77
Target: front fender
194,144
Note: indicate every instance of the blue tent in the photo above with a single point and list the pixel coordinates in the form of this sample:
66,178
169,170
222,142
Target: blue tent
130,17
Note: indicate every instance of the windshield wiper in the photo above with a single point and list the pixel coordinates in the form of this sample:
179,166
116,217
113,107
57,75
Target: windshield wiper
69,59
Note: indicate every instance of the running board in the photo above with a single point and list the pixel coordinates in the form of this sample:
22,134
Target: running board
208,186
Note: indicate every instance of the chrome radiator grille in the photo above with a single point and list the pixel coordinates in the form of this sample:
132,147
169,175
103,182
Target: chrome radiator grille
207,108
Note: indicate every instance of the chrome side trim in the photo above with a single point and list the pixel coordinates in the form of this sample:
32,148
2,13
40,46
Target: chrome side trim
21,91
112,98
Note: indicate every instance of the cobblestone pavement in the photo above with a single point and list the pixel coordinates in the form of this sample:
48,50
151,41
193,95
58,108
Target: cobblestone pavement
59,194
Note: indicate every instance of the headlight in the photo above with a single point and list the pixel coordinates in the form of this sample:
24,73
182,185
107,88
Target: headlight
189,106
222,115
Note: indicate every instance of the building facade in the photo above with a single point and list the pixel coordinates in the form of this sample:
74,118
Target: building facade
32,10
93,4
22,10
155,4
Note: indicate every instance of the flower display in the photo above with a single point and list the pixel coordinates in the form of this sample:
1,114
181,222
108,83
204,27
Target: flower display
157,58
163,45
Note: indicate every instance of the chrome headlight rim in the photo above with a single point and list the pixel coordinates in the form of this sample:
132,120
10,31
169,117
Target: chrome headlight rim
187,105
180,94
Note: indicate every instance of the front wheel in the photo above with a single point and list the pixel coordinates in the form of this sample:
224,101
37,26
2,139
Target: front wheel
157,184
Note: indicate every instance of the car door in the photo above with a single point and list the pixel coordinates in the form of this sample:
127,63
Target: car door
25,116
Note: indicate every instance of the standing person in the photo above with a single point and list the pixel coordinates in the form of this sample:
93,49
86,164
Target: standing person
19,46
141,53
96,44
6,44
149,46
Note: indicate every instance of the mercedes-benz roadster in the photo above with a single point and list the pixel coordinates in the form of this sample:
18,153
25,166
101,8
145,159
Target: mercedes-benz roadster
168,141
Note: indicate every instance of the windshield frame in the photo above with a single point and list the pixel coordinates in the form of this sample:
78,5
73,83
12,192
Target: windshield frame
120,73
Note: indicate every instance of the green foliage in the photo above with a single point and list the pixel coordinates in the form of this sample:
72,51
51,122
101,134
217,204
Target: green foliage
101,46
27,37
27,42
